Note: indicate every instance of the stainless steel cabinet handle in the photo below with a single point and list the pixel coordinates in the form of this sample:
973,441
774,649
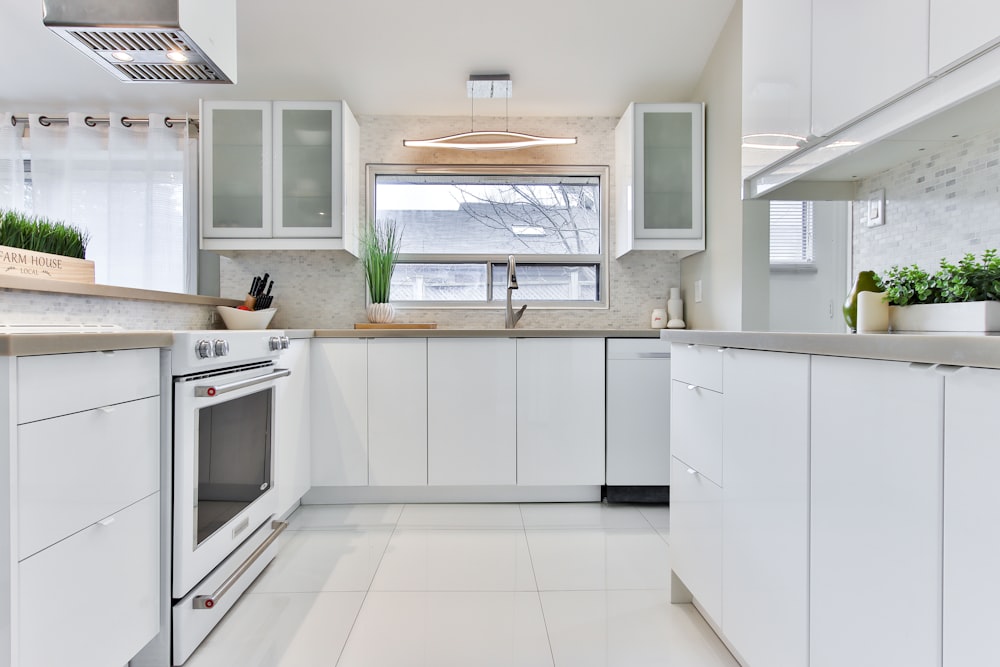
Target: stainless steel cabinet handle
692,471
219,389
209,601
654,355
691,387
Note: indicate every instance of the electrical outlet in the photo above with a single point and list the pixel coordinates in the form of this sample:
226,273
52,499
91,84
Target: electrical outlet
697,291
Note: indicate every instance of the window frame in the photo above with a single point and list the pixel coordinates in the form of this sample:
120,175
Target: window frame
601,259
807,219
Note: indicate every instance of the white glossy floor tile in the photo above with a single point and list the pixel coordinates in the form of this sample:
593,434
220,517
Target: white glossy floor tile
592,559
665,534
281,630
581,515
456,560
327,517
485,515
629,629
332,560
658,516
448,630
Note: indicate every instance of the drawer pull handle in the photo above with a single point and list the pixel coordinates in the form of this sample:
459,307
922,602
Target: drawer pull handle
209,601
691,387
690,346
722,349
107,521
107,409
692,471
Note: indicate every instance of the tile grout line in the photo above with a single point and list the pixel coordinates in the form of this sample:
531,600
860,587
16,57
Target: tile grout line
368,590
538,591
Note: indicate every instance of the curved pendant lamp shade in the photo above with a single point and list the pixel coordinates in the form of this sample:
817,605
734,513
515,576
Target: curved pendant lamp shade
489,141
489,86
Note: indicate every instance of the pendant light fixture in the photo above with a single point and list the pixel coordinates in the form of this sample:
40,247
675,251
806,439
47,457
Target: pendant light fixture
489,86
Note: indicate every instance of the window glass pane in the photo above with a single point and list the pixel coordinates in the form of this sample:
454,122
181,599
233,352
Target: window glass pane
550,215
548,282
791,232
438,282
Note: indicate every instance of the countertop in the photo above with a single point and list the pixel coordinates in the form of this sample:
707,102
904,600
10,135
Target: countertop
487,333
26,344
982,350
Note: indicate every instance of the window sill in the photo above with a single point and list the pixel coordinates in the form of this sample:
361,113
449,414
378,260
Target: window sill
110,291
794,268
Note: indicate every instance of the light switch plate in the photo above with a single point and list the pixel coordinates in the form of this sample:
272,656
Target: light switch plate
697,291
876,208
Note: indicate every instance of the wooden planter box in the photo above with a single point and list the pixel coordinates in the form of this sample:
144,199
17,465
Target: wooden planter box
30,264
973,316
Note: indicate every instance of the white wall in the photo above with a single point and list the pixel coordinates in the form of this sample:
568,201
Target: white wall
812,302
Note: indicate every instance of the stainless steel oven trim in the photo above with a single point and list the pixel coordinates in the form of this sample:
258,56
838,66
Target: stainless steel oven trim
219,389
209,601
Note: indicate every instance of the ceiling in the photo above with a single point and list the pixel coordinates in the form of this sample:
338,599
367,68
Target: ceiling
399,57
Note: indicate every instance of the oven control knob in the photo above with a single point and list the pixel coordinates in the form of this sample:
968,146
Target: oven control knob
274,344
204,349
221,347
285,343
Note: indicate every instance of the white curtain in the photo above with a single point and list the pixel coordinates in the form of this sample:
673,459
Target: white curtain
11,164
126,187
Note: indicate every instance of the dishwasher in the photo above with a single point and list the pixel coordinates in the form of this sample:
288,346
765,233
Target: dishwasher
637,420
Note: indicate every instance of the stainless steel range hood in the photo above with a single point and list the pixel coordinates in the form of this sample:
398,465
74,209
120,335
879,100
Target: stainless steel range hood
187,41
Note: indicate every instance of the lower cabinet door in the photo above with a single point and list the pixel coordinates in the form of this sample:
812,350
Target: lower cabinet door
92,600
696,536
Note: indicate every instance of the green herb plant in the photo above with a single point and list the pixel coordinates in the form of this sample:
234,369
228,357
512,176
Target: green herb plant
18,230
969,280
380,241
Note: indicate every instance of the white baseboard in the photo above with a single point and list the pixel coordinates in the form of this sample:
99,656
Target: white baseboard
335,495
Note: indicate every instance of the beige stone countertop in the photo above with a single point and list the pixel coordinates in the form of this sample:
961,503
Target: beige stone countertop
487,333
27,344
982,350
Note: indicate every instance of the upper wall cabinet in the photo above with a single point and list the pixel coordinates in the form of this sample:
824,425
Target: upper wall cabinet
279,175
960,29
660,178
864,54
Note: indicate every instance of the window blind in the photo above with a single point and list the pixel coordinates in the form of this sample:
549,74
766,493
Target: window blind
791,233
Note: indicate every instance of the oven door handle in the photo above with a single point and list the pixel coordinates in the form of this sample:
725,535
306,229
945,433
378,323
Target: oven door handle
209,601
219,389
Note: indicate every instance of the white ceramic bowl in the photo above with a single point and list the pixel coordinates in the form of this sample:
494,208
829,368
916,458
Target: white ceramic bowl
246,319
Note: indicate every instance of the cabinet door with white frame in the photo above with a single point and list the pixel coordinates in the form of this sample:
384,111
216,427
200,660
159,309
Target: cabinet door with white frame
293,432
471,411
560,411
971,531
765,507
875,513
397,412
339,411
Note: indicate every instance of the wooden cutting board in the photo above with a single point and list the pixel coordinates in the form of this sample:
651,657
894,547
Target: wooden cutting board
396,325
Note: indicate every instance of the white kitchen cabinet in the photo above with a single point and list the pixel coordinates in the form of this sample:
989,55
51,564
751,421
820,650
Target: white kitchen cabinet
660,178
765,510
971,531
638,412
397,412
560,411
293,433
863,55
279,175
876,516
471,411
339,412
696,536
960,29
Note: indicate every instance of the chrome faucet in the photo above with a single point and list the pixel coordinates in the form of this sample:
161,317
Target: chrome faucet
512,318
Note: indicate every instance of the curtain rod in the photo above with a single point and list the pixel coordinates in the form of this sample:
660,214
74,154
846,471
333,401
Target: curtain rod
93,121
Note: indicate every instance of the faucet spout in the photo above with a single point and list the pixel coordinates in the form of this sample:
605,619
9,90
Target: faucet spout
512,317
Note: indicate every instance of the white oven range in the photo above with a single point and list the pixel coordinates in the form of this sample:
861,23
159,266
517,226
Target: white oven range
220,527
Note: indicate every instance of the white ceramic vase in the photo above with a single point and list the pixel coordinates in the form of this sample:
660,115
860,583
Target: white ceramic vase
380,313
675,309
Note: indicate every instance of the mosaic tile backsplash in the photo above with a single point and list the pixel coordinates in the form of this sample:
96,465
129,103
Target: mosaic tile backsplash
20,307
943,205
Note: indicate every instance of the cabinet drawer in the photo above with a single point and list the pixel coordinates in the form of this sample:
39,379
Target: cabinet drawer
93,599
696,536
696,428
78,469
638,348
697,364
58,384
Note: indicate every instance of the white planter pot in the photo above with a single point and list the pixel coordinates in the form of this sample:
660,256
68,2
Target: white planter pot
380,313
973,316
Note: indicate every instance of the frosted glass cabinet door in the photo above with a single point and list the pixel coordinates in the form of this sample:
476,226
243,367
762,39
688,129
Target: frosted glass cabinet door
307,169
236,169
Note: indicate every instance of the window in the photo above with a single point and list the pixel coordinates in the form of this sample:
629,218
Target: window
459,224
792,236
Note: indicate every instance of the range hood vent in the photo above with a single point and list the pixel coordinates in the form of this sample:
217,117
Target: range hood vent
188,41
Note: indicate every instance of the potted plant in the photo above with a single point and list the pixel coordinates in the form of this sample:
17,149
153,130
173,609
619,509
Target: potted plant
36,247
958,297
379,251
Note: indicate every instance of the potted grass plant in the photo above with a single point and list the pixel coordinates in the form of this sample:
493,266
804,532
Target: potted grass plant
380,242
36,247
958,297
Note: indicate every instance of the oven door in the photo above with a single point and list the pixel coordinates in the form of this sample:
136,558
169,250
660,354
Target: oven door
223,466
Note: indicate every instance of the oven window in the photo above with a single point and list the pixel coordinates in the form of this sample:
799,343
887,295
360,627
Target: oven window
234,459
